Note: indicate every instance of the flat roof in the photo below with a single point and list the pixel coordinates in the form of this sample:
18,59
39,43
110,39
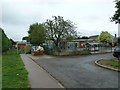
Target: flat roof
82,40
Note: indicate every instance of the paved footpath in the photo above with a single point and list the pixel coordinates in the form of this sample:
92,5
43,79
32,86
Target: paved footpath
37,76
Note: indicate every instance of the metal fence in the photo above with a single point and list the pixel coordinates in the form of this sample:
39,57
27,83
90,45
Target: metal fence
79,51
100,49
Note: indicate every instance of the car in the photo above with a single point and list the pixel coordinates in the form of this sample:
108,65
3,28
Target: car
116,52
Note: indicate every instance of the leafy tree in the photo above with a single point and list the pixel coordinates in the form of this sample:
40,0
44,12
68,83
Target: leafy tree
25,38
84,37
117,12
36,34
12,41
6,43
59,30
105,37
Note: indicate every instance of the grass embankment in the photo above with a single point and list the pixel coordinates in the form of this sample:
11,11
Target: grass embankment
14,74
114,63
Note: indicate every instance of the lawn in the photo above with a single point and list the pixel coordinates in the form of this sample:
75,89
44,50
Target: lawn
0,71
14,74
114,63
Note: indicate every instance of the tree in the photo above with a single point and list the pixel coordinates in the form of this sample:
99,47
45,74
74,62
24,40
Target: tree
84,37
59,30
6,43
105,37
36,34
12,41
117,13
26,38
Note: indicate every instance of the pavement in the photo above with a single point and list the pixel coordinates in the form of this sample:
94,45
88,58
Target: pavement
81,71
38,77
38,57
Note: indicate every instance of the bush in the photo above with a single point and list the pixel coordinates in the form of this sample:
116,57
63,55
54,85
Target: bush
6,43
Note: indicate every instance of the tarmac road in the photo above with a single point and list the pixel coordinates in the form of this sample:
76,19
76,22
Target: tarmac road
81,71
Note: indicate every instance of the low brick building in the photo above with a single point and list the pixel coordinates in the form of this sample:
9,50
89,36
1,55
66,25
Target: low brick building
23,45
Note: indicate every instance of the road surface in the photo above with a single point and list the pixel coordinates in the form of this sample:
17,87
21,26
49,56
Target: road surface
80,71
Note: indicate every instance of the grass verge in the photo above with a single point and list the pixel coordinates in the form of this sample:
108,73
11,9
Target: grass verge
114,63
14,74
0,71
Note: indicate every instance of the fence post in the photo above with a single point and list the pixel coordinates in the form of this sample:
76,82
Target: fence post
17,48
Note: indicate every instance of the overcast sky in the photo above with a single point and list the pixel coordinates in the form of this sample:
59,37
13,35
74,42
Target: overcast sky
91,16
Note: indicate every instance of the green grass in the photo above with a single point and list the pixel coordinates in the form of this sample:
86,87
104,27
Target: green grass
0,72
14,51
14,74
114,63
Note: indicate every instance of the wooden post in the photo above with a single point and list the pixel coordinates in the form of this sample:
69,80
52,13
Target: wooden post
17,48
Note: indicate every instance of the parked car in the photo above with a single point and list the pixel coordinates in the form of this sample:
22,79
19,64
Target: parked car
117,52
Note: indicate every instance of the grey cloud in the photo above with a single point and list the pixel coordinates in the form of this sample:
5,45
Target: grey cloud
11,18
49,2
15,15
90,19
88,14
